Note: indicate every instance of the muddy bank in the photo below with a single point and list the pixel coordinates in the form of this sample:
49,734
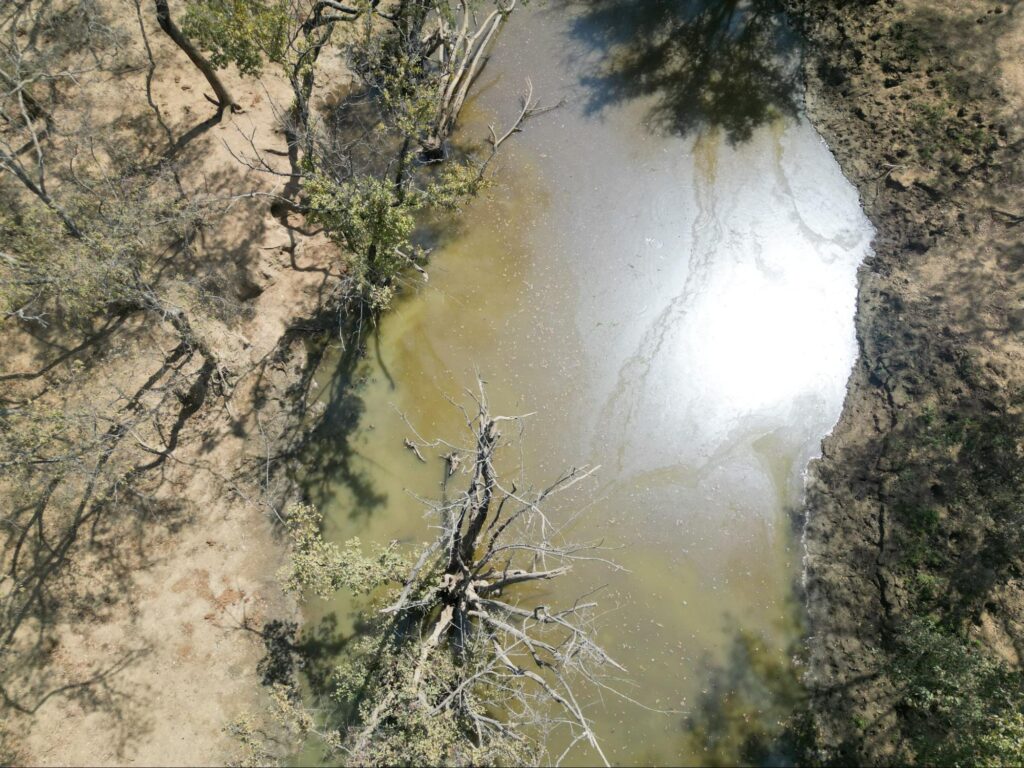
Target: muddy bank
911,510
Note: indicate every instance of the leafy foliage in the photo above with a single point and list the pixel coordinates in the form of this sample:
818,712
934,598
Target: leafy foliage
239,32
456,183
323,568
363,214
367,218
366,204
375,682
967,707
47,275
406,90
373,220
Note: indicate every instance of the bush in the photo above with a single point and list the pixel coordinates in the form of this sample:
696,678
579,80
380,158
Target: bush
964,706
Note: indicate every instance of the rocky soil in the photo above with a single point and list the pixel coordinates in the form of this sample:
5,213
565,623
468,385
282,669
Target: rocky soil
915,503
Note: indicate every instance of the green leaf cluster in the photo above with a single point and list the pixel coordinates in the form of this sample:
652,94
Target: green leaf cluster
368,219
365,215
323,567
407,93
374,682
43,272
968,706
239,32
47,275
456,183
374,222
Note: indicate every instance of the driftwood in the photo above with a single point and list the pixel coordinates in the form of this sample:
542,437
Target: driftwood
415,449
494,539
458,43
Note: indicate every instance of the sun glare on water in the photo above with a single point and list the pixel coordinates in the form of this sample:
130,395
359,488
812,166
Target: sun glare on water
760,340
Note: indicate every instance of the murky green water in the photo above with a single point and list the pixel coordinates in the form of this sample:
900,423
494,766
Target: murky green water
671,289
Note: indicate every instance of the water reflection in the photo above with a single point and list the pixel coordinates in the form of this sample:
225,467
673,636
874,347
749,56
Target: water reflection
754,332
753,708
330,454
677,307
724,63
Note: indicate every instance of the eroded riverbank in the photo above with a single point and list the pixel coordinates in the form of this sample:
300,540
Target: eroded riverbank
911,508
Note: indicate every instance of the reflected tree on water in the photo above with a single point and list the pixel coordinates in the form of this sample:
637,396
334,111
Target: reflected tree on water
730,64
753,710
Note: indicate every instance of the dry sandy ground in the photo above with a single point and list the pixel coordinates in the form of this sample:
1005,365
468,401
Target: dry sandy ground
164,655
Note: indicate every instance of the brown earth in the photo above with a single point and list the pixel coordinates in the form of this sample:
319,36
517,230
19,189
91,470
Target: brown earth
921,103
151,649
155,645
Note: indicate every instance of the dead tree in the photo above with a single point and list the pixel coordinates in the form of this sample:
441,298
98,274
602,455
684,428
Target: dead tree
444,43
458,43
519,661
528,108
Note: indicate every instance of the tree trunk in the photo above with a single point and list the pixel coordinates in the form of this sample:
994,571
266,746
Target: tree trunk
163,17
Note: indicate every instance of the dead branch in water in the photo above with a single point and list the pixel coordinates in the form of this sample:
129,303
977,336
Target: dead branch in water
465,596
529,108
466,664
459,44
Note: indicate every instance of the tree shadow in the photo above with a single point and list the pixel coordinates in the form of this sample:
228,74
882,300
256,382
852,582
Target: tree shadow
85,506
928,510
310,651
317,455
189,136
95,344
303,662
967,41
329,457
36,628
753,706
757,707
957,506
353,143
731,64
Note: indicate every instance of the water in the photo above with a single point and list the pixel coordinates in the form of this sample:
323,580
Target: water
669,284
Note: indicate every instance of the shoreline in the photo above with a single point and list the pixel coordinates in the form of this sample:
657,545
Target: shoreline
876,76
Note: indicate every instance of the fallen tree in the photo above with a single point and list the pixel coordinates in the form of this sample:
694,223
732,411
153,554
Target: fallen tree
463,664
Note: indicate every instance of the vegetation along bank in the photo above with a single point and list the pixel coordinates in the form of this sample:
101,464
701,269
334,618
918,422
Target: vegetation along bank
914,512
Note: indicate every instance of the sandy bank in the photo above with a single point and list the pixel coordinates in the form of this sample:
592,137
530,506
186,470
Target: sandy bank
150,639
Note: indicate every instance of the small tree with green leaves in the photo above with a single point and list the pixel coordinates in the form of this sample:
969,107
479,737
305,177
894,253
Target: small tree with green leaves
245,33
965,706
416,62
